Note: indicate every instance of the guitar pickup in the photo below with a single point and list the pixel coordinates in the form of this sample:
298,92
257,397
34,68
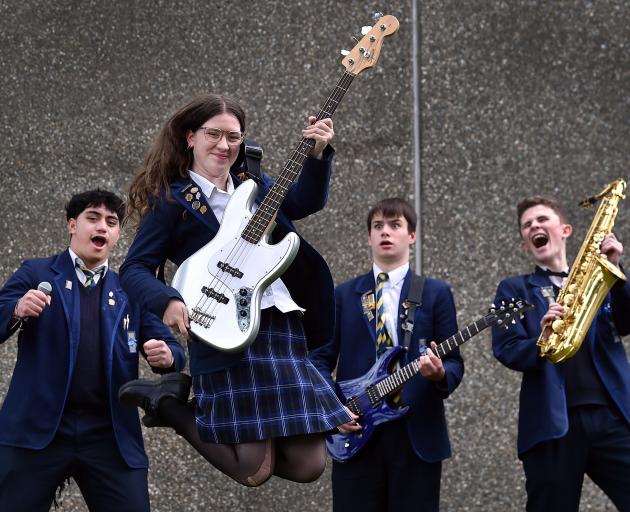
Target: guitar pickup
229,269
354,406
210,292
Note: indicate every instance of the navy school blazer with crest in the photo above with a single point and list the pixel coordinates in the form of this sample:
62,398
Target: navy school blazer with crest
352,350
173,230
47,351
543,408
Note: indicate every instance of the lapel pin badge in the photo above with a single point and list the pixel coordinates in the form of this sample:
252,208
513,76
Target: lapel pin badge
68,285
369,305
131,342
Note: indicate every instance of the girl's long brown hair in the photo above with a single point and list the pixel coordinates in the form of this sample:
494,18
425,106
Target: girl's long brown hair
169,157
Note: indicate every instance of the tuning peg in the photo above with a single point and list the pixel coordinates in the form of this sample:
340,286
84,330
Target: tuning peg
345,52
513,321
377,16
365,30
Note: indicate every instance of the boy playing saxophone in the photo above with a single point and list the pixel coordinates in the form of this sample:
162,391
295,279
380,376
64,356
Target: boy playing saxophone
574,416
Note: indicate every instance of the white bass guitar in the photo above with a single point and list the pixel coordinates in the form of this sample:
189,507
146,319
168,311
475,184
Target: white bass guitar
223,282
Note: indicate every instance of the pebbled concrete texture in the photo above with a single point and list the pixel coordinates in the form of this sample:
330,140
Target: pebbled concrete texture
518,98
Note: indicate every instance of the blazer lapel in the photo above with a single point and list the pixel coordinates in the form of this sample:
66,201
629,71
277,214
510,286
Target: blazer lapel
541,285
189,195
67,284
113,305
366,303
404,294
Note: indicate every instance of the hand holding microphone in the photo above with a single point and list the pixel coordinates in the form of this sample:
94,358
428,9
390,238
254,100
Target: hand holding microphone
33,302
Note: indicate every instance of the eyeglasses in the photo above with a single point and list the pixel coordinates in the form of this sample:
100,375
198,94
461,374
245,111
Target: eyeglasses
214,135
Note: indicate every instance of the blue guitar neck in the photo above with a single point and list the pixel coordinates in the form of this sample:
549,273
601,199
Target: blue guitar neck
396,380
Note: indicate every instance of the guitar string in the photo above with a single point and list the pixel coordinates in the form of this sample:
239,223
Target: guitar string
223,279
389,383
208,305
239,253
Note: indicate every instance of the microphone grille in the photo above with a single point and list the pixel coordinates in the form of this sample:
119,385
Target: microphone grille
45,287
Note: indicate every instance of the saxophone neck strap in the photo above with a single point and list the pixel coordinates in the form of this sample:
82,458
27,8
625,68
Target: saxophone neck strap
414,301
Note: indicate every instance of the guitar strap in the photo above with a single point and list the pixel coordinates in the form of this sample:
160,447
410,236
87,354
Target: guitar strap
252,154
414,301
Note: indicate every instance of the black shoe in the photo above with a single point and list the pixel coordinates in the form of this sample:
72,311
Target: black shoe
147,394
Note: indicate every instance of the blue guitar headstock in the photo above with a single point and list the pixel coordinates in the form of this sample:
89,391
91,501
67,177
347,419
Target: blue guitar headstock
506,312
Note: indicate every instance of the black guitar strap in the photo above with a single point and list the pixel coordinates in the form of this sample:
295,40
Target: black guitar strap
253,155
414,301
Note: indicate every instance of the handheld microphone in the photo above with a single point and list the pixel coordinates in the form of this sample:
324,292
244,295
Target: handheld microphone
45,287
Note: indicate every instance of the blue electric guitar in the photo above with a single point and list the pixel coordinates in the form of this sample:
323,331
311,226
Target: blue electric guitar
223,282
366,396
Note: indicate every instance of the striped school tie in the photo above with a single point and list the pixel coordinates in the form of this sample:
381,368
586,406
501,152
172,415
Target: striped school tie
383,339
90,275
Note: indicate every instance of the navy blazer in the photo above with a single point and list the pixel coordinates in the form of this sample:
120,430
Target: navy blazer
173,231
543,408
47,351
352,350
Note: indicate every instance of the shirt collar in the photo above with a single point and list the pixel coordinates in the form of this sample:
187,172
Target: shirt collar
565,269
395,275
75,258
207,187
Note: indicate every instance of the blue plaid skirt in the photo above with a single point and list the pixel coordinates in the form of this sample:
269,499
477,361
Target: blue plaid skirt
273,391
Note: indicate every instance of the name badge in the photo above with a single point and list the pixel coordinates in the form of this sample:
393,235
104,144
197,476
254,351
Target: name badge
131,342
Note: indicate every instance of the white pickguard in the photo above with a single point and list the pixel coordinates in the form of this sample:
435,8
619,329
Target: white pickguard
221,313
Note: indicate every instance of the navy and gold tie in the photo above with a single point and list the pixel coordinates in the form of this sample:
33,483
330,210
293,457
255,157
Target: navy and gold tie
90,275
383,339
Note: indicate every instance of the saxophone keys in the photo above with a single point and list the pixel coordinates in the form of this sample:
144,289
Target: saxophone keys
557,325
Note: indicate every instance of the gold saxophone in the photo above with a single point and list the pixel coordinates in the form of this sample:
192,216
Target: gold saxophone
591,278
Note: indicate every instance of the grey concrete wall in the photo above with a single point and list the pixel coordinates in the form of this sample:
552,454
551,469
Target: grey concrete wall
517,97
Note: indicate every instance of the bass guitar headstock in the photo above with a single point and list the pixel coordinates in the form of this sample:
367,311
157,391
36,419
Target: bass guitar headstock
367,51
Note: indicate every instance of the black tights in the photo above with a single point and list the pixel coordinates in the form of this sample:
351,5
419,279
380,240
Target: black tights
297,458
